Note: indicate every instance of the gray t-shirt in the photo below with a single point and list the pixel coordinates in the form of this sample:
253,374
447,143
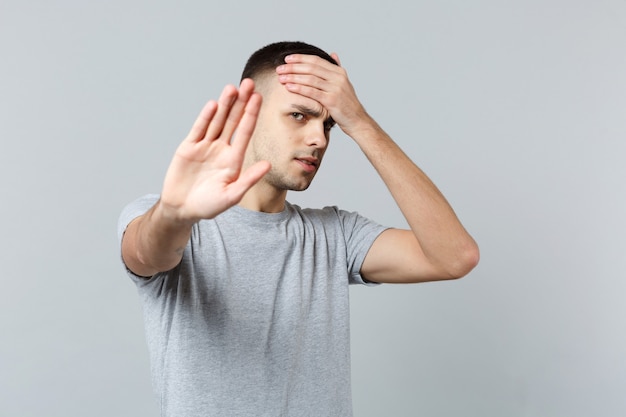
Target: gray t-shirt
254,321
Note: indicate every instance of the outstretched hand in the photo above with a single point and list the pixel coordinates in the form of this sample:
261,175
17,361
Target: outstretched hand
326,83
205,176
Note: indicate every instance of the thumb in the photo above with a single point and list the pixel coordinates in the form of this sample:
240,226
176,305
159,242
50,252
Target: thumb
249,177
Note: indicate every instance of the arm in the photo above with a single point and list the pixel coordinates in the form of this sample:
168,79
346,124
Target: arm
436,246
204,179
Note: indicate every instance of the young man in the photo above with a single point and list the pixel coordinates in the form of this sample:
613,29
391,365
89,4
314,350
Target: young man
245,296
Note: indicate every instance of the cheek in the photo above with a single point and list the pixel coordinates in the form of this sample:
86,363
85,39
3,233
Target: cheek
264,148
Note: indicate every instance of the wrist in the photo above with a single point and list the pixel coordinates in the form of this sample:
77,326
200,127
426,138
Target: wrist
364,128
171,216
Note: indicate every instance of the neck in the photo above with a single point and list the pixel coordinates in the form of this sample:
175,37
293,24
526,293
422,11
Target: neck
264,198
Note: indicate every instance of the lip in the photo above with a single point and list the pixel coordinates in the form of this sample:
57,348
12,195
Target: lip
308,164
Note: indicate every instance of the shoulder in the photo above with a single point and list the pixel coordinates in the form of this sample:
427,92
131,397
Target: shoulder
332,216
329,216
324,213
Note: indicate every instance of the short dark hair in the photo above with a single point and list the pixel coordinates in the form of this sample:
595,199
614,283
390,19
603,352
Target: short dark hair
270,56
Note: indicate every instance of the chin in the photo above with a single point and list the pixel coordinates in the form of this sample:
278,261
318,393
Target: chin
289,184
294,186
301,188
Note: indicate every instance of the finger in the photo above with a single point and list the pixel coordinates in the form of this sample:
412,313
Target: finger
237,110
306,59
199,128
322,72
246,126
313,93
312,60
225,102
247,179
304,79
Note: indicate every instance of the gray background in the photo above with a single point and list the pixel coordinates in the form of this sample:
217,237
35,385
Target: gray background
516,109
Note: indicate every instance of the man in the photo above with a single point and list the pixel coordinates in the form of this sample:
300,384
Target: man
245,296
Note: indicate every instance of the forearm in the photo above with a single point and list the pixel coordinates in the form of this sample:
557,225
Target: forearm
155,241
441,236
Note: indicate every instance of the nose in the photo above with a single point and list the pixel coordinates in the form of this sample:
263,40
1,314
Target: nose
316,135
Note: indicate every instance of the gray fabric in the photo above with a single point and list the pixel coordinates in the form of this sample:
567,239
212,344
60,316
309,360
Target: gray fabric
255,319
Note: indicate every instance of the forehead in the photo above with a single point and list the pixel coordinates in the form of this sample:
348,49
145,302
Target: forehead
277,97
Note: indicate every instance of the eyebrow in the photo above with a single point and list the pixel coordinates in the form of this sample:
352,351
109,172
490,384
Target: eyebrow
307,110
312,112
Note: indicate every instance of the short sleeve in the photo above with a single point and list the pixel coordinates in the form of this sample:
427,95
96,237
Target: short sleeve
128,214
360,233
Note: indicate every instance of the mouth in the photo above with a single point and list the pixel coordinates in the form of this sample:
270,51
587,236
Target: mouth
308,164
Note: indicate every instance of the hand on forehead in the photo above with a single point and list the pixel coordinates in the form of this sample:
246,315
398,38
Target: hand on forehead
280,95
306,76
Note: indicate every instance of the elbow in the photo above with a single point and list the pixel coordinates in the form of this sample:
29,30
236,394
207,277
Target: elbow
466,260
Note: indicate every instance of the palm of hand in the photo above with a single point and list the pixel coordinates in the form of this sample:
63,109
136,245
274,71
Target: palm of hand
205,176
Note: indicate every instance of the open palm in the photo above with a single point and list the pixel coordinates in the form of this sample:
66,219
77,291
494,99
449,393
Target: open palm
205,176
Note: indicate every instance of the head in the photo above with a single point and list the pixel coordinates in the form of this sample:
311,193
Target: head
266,59
292,131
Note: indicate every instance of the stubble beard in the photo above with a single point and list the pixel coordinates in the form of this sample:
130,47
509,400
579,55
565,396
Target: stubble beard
282,181
277,178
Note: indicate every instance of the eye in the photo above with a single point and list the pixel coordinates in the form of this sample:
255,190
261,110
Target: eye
329,125
297,116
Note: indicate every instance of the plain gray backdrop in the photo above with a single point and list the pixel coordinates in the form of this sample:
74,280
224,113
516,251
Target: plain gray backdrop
516,109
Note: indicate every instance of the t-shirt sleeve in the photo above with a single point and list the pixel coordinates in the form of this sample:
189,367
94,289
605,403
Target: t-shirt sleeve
129,213
360,233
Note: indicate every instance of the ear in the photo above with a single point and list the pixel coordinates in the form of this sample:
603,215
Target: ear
335,57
